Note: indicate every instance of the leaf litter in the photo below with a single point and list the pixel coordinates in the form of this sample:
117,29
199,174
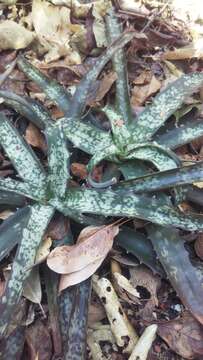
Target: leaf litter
57,32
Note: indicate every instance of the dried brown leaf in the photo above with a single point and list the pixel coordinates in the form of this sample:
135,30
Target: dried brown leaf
34,137
199,246
184,336
93,244
141,93
14,36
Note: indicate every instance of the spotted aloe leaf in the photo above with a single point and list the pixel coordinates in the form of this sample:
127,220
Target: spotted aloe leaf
182,274
11,230
22,188
114,30
40,216
139,245
160,157
85,136
109,203
28,108
164,105
80,97
58,160
74,320
20,154
164,179
51,88
9,198
133,168
181,135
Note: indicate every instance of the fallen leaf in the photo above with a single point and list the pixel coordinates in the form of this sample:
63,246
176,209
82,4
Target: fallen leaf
93,245
43,250
38,341
193,50
79,170
58,227
104,86
76,277
34,137
126,286
54,30
5,214
141,93
184,336
14,36
96,313
199,246
32,287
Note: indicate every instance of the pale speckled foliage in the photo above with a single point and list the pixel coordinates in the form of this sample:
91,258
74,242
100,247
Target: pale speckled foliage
31,237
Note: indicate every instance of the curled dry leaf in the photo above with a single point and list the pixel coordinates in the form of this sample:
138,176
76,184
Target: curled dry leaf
93,244
184,336
124,286
32,288
140,93
54,30
199,246
14,36
34,137
43,250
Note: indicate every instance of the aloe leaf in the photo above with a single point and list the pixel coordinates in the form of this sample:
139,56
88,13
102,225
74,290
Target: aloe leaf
28,108
120,132
40,216
109,203
58,161
76,323
102,154
164,105
114,30
21,188
160,157
80,97
164,179
133,168
9,198
51,88
20,154
85,136
182,135
175,259
139,245
11,230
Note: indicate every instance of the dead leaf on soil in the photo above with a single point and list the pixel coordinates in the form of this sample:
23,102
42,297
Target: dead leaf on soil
5,214
96,313
93,244
35,138
140,93
38,341
199,246
54,31
79,170
80,261
184,336
193,50
104,86
124,286
14,36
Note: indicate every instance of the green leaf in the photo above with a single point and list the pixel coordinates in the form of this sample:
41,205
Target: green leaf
139,245
11,230
164,105
21,155
133,168
114,30
85,136
74,314
109,203
58,161
9,198
183,276
28,108
80,97
181,135
51,88
105,153
121,135
160,157
163,179
40,216
21,188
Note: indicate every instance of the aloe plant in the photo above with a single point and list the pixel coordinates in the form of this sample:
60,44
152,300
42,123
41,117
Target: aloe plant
133,145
